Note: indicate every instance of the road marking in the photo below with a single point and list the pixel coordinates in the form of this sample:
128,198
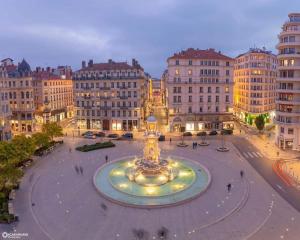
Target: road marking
255,155
280,187
250,154
259,154
245,154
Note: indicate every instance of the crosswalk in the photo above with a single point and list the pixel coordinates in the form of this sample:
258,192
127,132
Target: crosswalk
252,154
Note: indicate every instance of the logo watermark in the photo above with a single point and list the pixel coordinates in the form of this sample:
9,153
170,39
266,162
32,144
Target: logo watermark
7,235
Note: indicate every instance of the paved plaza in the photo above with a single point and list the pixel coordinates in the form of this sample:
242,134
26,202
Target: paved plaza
54,202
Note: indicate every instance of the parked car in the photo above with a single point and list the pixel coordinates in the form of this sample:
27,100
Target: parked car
162,138
100,134
213,132
87,133
201,133
227,132
127,136
90,135
187,134
113,135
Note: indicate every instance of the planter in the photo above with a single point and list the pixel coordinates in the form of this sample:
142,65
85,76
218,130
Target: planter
203,144
222,149
99,145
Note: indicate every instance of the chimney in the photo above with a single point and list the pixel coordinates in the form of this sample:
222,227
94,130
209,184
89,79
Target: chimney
90,64
134,62
83,64
110,61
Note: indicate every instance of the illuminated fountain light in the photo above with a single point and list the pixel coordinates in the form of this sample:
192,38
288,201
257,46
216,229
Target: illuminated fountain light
123,185
150,190
184,174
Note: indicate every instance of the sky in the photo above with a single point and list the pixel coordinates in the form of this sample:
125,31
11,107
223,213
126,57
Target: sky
65,32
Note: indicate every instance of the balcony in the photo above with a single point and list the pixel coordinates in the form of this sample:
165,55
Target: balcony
288,55
288,79
105,97
295,67
123,97
286,44
293,113
105,107
123,87
280,90
105,88
288,102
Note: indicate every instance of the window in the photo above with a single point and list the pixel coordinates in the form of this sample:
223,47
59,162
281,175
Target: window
177,62
209,89
290,131
227,64
190,110
208,98
176,71
282,129
201,99
227,72
217,109
190,72
217,89
190,89
217,99
201,90
227,98
190,99
200,109
190,62
226,89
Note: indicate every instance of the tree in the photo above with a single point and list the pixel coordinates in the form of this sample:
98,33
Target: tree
53,130
23,146
260,122
41,139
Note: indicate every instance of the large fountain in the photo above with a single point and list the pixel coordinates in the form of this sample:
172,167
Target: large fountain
151,180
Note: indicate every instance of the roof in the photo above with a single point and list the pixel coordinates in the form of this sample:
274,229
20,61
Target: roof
257,50
110,66
151,119
6,59
192,53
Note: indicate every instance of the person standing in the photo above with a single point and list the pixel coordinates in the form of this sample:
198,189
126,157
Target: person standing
229,187
106,158
242,173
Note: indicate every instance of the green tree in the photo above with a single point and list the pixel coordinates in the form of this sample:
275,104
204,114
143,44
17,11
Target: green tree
53,130
23,146
260,122
41,139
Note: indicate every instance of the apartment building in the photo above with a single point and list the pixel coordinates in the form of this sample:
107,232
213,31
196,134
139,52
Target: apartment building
199,90
53,94
20,88
5,113
288,85
110,96
254,85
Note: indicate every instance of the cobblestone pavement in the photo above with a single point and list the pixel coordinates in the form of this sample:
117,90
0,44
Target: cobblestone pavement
56,203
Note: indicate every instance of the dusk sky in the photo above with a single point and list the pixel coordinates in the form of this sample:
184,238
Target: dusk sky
65,32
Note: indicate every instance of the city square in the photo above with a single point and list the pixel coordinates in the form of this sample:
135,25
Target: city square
54,200
142,120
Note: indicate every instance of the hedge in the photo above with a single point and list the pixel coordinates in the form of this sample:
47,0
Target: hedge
99,145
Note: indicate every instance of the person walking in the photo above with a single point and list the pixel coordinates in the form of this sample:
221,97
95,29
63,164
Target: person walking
242,173
77,169
81,170
106,158
228,187
170,140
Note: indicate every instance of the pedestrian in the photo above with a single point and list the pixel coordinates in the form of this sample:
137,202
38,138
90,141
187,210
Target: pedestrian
242,173
106,158
81,170
228,187
196,144
70,150
170,140
77,169
240,131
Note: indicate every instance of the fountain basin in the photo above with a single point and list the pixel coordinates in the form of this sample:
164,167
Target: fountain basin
112,182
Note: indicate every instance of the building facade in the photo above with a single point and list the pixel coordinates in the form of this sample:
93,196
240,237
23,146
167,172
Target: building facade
20,88
288,85
5,113
199,90
110,96
53,94
255,74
